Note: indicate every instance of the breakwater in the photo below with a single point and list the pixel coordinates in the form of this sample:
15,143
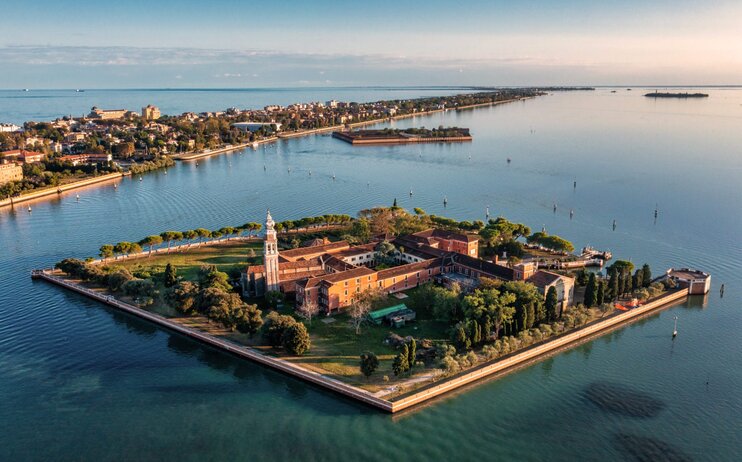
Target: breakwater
406,401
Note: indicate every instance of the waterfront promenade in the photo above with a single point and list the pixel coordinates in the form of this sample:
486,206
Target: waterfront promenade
404,401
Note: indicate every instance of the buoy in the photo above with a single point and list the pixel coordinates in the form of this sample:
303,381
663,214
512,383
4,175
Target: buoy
574,185
333,177
115,186
77,198
310,173
675,331
29,209
140,178
508,160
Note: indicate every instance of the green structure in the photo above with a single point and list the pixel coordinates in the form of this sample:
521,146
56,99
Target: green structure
396,315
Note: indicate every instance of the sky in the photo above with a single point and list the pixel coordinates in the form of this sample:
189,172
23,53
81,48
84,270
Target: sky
246,44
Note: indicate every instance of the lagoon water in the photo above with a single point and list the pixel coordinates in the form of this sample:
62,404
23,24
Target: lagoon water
81,382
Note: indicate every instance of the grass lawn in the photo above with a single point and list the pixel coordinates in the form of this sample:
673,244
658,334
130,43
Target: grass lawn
226,256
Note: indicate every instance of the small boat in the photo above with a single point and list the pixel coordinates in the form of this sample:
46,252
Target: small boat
571,213
555,207
333,177
77,197
29,209
509,160
26,89
410,192
445,201
115,186
79,91
675,331
140,178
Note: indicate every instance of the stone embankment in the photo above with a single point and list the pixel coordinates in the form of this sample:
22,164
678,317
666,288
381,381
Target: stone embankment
509,362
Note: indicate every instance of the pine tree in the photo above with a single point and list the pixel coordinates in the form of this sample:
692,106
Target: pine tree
646,275
412,354
171,277
369,363
591,293
395,202
296,339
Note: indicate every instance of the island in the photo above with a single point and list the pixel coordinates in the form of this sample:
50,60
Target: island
404,136
676,95
391,308
48,158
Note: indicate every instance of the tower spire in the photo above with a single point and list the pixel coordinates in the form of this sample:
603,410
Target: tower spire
270,254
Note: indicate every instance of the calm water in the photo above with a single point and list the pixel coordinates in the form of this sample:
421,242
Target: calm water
79,381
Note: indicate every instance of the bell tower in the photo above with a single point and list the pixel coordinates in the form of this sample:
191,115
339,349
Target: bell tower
270,255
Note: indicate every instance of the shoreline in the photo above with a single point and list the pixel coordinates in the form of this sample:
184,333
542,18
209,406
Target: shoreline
44,193
58,190
402,402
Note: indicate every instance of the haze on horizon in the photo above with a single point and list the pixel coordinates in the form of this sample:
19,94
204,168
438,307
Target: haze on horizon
227,43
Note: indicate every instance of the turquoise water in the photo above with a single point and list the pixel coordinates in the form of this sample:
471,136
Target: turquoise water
79,381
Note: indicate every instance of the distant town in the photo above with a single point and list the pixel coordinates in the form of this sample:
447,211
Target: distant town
104,141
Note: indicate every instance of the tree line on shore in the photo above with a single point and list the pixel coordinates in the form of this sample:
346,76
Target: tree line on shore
211,295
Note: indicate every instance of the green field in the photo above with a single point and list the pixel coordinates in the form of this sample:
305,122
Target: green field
226,256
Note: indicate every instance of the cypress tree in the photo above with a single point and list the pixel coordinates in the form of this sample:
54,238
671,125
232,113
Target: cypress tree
613,285
551,304
462,339
171,277
401,361
646,275
638,280
412,354
600,299
486,329
591,293
476,333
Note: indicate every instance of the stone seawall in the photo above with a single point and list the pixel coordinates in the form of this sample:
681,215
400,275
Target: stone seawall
226,345
530,354
534,352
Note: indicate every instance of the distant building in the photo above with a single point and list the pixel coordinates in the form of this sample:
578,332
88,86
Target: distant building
564,286
10,128
92,158
255,126
150,112
107,114
10,171
27,157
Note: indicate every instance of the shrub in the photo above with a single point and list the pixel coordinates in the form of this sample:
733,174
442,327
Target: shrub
449,365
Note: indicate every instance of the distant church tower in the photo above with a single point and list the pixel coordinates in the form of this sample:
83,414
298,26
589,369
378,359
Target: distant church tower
270,255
